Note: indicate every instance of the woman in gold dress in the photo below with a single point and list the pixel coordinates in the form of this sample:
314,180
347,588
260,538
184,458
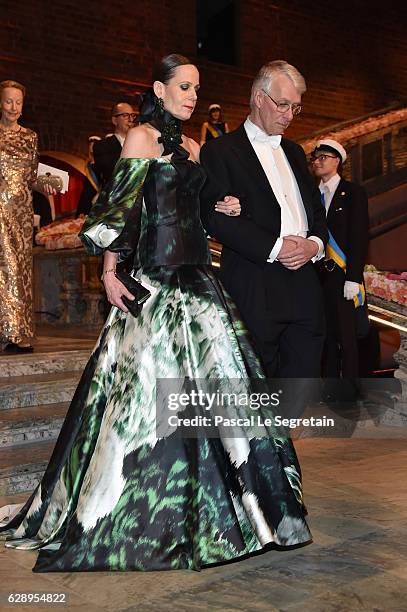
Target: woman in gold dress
18,171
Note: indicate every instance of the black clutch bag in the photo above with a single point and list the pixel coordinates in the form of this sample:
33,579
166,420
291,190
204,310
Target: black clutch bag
141,294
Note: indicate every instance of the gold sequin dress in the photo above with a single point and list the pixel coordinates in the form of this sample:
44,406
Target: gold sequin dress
18,168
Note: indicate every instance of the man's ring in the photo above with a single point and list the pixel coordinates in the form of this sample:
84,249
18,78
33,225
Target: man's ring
232,212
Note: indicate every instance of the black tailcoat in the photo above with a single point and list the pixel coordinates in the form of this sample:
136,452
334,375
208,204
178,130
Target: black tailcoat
282,308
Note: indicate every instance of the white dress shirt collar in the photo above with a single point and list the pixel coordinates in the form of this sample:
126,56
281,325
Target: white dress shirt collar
328,189
256,134
331,185
120,138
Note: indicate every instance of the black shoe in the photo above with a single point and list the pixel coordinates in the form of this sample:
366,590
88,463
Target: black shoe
344,390
14,349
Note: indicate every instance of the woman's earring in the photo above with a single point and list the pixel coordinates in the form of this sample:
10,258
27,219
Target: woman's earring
161,103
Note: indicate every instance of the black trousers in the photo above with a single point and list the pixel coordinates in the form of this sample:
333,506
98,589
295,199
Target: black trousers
340,356
283,311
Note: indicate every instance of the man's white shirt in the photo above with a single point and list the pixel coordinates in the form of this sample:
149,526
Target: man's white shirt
328,189
284,185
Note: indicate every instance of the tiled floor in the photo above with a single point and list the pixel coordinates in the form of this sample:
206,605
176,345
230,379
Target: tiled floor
357,500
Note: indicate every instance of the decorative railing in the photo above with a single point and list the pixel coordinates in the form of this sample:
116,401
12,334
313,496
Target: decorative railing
376,146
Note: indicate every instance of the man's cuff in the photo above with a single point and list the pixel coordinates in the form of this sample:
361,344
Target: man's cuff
275,250
321,250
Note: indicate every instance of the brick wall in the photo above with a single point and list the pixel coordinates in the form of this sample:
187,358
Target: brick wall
78,57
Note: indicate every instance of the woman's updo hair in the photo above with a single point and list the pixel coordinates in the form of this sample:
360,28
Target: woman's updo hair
166,67
14,84
163,72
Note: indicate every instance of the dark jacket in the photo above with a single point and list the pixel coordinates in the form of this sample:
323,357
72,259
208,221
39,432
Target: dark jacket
233,168
348,223
106,152
257,286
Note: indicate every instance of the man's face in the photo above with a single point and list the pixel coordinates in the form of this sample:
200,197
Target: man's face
123,118
271,120
324,164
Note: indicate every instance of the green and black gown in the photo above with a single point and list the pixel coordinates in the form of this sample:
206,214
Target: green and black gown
114,495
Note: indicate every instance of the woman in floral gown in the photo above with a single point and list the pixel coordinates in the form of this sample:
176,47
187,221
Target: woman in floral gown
115,495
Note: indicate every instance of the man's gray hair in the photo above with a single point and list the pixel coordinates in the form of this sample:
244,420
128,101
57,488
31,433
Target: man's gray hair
264,78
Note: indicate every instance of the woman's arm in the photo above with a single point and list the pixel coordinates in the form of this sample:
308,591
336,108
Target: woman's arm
43,188
113,224
203,132
34,162
113,287
230,205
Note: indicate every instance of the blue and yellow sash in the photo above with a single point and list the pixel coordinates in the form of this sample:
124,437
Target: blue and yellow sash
215,131
91,176
333,251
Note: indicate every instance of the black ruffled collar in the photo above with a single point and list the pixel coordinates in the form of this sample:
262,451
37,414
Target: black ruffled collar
170,128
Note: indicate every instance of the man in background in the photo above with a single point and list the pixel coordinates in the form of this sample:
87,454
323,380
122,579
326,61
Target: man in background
346,208
91,184
107,151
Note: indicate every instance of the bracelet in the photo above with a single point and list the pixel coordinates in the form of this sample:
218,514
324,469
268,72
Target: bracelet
108,272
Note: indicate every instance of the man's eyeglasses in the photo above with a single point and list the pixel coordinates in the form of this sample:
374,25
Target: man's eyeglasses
126,115
322,158
283,107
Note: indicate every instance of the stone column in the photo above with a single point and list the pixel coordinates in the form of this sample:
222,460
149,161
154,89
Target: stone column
67,285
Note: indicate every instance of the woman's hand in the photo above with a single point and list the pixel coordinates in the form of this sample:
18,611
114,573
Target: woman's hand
48,190
44,188
115,290
229,206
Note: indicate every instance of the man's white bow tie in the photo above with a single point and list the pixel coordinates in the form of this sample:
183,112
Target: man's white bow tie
273,140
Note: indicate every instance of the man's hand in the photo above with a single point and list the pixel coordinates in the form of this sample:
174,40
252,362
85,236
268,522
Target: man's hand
229,206
287,247
303,252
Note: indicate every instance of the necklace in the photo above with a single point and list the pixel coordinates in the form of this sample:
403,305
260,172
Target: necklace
10,129
170,128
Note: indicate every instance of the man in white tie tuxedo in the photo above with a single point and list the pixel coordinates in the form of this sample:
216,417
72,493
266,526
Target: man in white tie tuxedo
269,249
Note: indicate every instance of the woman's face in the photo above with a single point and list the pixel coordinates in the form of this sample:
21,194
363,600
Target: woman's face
180,93
215,115
12,100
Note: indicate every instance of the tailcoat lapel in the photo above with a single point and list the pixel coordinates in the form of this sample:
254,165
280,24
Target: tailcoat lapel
338,202
303,187
248,158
